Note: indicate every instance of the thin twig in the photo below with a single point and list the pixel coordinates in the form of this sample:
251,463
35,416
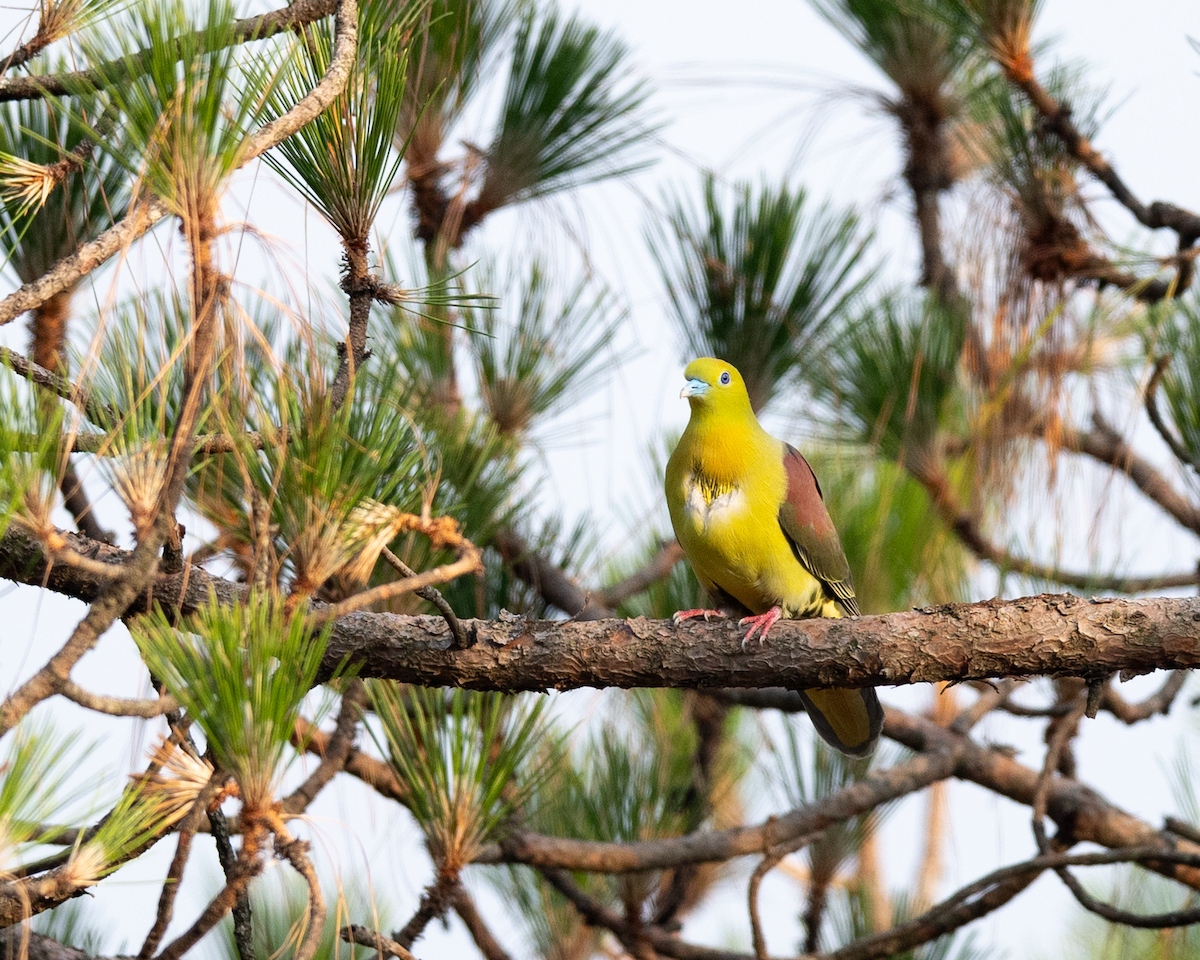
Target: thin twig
1168,436
488,945
434,596
116,706
59,386
769,861
243,931
166,900
373,938
469,560
337,750
296,853
438,897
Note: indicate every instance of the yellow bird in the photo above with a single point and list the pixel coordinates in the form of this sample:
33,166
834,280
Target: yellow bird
749,514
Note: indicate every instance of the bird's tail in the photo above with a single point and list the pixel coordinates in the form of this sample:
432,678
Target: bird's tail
850,720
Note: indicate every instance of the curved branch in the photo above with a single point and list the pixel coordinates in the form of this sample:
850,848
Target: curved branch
1168,437
58,385
251,28
1057,119
538,850
1104,444
937,485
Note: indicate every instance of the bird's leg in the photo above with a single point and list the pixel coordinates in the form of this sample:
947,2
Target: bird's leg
682,615
763,622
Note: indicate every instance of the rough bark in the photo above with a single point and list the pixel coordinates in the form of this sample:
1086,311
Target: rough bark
1055,635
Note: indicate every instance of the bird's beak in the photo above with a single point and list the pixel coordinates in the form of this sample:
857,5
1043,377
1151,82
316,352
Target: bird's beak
693,388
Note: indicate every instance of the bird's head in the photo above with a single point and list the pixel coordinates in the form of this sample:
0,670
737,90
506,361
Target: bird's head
714,386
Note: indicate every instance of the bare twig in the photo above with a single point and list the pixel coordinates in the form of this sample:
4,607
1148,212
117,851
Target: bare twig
489,946
337,750
1057,119
432,595
1104,444
770,859
243,933
166,900
295,852
438,897
372,938
1168,436
116,706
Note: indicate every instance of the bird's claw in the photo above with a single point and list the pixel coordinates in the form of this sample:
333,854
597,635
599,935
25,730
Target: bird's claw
761,623
679,616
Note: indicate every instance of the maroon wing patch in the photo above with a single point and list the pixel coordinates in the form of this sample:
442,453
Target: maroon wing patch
811,532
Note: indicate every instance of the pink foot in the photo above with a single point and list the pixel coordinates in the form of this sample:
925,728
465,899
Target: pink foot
763,622
688,614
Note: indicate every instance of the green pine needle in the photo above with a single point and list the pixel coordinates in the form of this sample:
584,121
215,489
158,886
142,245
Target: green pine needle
240,672
466,761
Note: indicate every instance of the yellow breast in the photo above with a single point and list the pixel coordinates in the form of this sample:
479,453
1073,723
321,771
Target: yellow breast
730,531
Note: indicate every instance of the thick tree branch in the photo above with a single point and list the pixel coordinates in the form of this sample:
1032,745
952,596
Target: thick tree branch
1049,635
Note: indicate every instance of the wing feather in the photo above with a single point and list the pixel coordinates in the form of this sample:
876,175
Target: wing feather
811,533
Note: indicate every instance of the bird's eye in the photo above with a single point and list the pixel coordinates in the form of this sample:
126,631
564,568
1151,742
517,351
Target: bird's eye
725,377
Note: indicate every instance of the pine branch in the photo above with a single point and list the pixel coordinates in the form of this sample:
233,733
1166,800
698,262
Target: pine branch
1049,635
68,271
965,526
250,28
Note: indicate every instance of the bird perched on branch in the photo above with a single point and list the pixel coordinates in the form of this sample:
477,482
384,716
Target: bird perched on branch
750,517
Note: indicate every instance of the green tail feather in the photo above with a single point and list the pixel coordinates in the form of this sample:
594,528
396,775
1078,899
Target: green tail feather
850,720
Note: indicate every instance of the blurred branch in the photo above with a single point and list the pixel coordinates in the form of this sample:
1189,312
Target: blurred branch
60,386
1056,118
374,773
543,851
552,584
488,945
335,752
1168,437
1104,444
1078,810
386,946
658,568
1160,702
937,485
